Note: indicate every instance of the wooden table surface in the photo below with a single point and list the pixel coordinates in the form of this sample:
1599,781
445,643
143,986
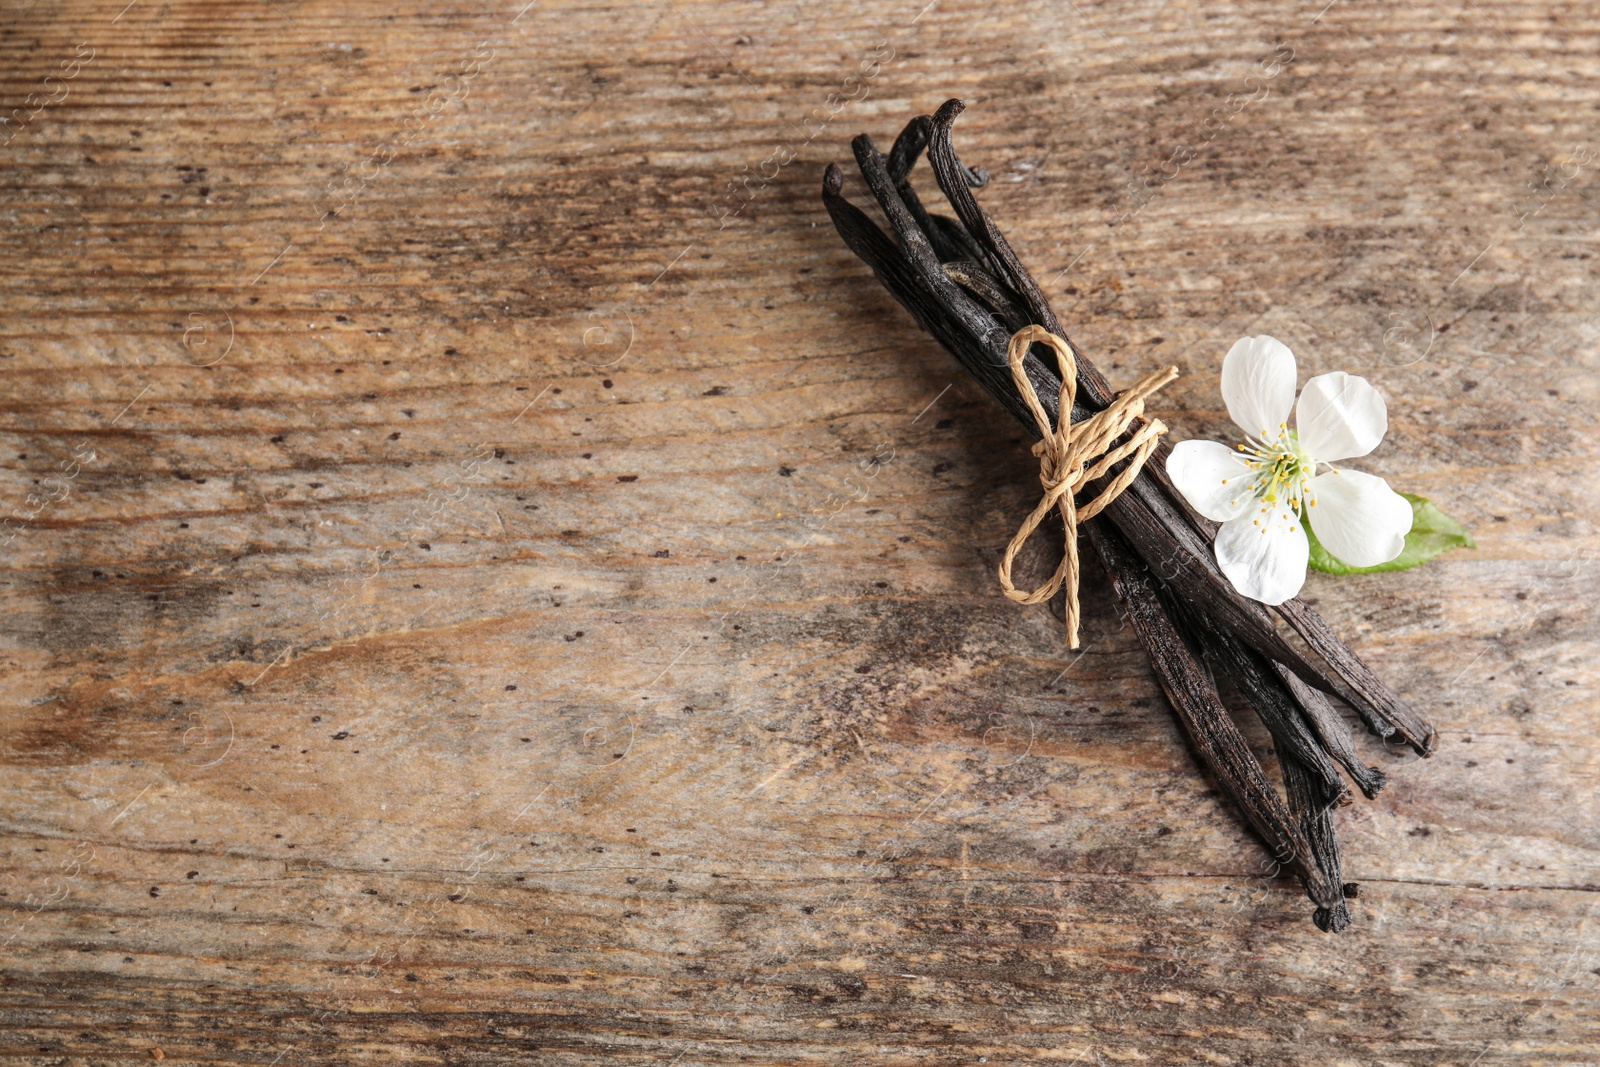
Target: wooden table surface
489,579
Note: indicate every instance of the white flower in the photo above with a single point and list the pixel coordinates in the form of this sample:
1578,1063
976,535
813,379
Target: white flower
1261,491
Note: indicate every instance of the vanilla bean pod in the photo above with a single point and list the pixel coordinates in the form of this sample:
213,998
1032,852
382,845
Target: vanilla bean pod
1192,692
1275,707
962,283
1377,701
1332,732
1310,777
1316,824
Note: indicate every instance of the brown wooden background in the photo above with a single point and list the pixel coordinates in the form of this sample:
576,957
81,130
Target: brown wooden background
470,597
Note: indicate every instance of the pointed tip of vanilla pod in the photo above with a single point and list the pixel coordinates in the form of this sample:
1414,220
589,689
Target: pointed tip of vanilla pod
863,147
1369,779
832,180
1334,920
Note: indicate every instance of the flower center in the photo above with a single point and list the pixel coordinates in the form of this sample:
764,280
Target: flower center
1280,476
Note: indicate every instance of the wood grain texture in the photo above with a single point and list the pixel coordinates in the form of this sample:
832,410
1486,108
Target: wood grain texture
496,605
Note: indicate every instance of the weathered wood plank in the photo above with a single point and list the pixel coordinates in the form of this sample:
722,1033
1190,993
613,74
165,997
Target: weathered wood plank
519,617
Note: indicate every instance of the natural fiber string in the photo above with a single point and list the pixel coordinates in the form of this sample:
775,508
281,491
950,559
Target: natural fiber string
1065,452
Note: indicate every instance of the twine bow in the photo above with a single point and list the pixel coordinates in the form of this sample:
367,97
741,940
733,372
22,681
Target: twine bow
1065,452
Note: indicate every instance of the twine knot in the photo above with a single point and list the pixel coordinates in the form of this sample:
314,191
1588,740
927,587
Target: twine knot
1065,452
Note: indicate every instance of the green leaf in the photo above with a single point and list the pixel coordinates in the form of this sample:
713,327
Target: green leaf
1432,532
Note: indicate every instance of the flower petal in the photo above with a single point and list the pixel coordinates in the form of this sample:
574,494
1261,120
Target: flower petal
1358,518
1258,384
1340,416
1264,552
1212,478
